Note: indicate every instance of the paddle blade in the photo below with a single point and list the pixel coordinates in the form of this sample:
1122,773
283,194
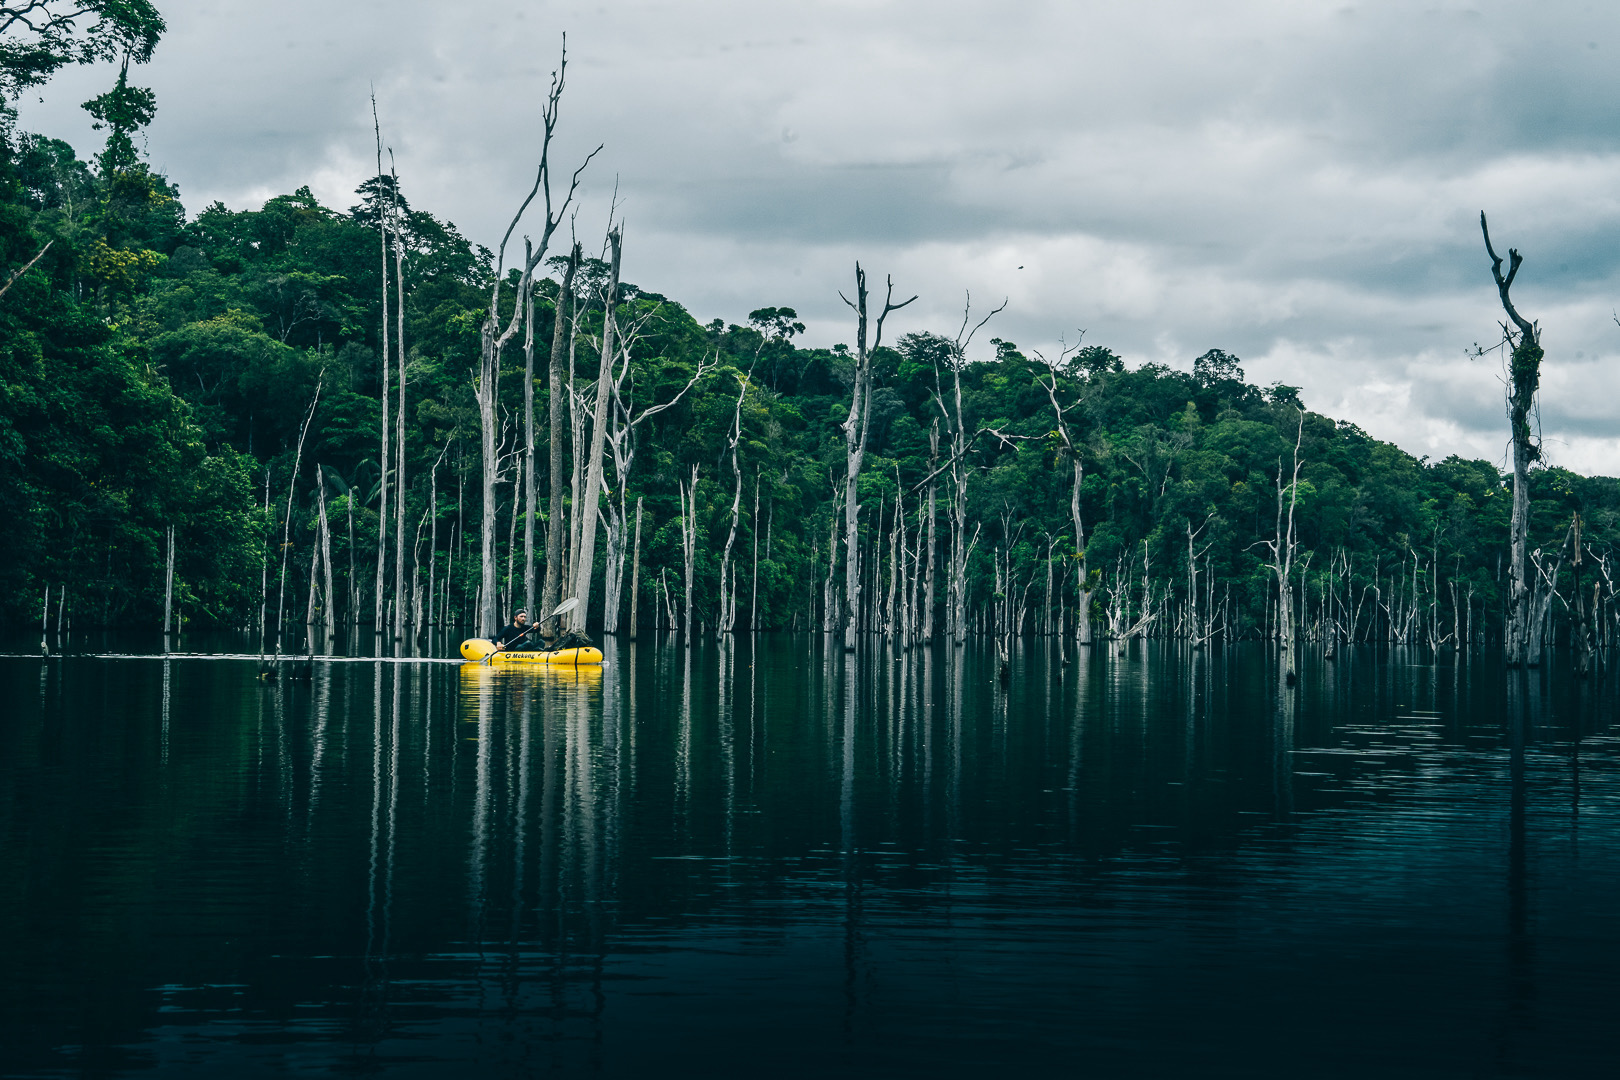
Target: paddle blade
565,607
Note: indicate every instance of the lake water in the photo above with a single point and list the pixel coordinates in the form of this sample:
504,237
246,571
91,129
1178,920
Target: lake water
769,858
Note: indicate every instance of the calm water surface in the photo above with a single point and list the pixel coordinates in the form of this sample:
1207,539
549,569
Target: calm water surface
768,858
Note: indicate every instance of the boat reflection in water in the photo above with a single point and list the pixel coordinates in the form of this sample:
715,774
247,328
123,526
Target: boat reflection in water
769,854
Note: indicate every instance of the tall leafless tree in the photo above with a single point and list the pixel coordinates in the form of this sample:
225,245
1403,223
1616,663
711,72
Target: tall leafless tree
949,403
494,335
399,413
1283,549
688,503
856,428
561,334
728,583
1071,450
586,559
384,461
1523,340
328,608
623,420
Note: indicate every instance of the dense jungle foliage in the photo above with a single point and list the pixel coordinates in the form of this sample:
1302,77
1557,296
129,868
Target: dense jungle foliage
157,368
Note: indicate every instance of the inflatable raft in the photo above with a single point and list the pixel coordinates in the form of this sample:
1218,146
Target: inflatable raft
478,648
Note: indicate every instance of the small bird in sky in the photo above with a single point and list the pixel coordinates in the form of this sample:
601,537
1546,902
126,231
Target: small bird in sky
1020,268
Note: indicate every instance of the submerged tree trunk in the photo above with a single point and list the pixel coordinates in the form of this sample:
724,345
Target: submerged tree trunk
494,337
635,572
1524,369
728,584
689,551
399,417
1282,556
528,453
384,460
593,475
561,333
328,613
829,588
286,526
933,546
855,428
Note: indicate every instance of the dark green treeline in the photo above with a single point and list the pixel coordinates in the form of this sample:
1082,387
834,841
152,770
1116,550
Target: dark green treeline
156,369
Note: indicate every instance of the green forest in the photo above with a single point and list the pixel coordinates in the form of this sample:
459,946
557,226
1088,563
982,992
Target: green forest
297,418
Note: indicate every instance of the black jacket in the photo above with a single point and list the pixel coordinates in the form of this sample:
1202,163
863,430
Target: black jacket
511,631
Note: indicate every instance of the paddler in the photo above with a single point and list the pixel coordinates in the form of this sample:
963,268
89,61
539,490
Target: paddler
515,635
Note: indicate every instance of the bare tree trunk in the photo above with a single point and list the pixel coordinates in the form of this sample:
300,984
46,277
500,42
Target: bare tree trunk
314,590
855,436
494,337
1082,624
1082,615
168,590
1282,556
555,533
488,378
635,573
353,618
511,538
829,589
593,476
385,460
433,536
286,527
689,550
1580,625
528,453
933,546
891,621
753,523
728,585
399,416
1524,339
329,615
956,585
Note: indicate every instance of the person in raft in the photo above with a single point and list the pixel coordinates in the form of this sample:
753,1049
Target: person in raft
515,635
539,641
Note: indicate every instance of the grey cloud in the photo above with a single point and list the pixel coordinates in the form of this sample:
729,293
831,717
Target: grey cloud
1297,183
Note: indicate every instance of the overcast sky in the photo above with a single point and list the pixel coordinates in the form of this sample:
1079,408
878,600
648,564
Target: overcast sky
1297,183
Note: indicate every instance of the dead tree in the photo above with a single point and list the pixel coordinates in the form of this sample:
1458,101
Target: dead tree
1283,549
27,266
728,584
635,573
328,612
688,502
586,559
1581,628
928,586
753,525
529,486
384,462
950,410
856,427
286,525
1072,451
399,413
561,332
829,588
1195,628
623,421
494,336
1523,340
